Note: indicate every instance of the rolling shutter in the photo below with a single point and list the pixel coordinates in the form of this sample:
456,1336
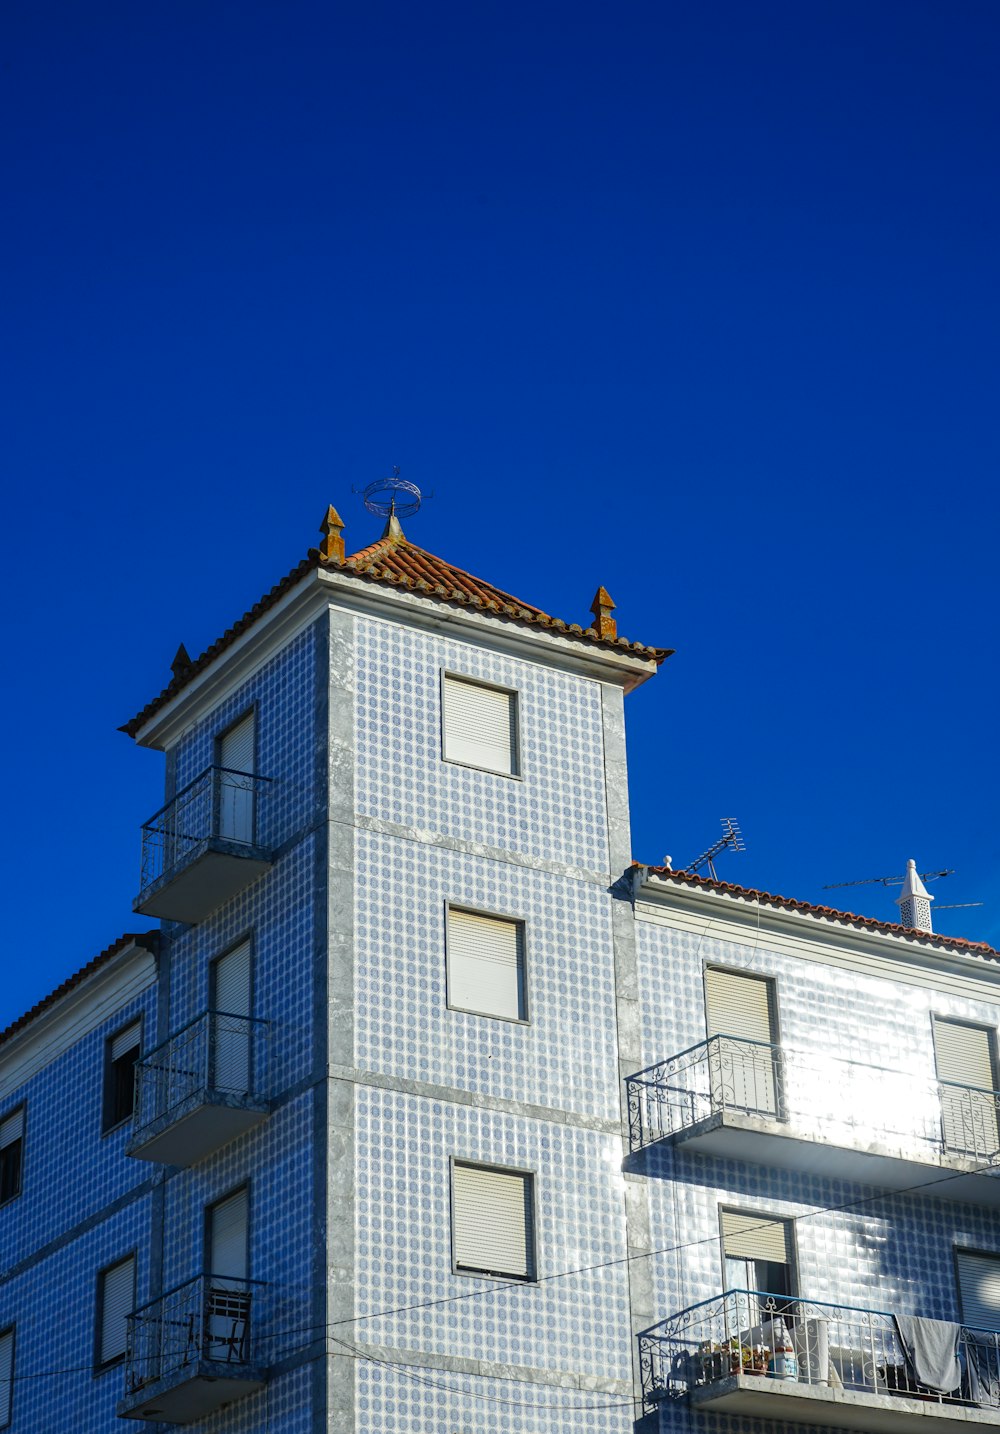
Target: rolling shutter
739,1013
117,1301
486,964
227,1237
231,1038
964,1055
738,1005
480,726
12,1128
236,797
755,1237
6,1376
126,1041
493,1228
236,747
979,1289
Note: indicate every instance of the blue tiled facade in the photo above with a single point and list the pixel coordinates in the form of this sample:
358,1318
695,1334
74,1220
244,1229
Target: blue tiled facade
376,1086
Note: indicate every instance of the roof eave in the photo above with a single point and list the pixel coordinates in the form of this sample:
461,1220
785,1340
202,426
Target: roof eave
928,948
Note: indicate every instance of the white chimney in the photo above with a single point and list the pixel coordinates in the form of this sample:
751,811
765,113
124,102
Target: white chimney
914,901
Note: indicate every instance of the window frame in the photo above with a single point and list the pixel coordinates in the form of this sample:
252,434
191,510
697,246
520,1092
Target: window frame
516,920
21,1142
725,1208
245,1187
957,1250
108,1125
102,1365
448,674
526,1173
11,1329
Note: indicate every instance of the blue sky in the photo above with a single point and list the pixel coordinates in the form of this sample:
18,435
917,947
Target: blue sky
699,302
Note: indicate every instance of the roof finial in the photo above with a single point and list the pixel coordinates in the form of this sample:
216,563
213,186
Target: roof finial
602,607
914,901
182,663
332,528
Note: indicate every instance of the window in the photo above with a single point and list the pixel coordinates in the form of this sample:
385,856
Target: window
227,1237
120,1055
758,1260
236,797
480,725
979,1289
486,965
115,1301
230,996
11,1154
744,1061
6,1376
493,1221
227,1256
966,1068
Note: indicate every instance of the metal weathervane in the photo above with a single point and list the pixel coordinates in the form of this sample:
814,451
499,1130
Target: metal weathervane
392,497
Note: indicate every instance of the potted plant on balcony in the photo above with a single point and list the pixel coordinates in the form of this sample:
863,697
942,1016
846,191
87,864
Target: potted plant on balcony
732,1357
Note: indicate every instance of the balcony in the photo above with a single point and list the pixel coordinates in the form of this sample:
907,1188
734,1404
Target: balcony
806,1362
803,1110
199,1089
192,1351
202,848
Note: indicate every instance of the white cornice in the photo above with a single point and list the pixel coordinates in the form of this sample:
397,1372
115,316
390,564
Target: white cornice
743,920
82,1009
317,587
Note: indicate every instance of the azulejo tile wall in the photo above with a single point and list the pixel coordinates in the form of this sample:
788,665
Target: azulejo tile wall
564,1057
855,1245
403,1230
555,814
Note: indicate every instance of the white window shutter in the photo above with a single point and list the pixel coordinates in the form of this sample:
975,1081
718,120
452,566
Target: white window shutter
486,964
493,1223
964,1056
755,1237
480,726
117,1301
227,1236
738,1005
6,1376
125,1041
231,1038
12,1128
236,796
963,1053
236,747
979,1287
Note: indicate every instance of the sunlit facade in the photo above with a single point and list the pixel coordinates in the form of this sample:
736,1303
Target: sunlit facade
426,1111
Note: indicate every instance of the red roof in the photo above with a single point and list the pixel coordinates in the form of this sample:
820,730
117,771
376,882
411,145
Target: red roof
789,903
145,939
396,562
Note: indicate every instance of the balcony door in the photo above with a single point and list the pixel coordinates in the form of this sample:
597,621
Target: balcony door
759,1271
227,1298
236,791
230,1033
740,1013
966,1069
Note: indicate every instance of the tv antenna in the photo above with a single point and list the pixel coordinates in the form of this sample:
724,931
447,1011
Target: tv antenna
392,497
925,876
731,837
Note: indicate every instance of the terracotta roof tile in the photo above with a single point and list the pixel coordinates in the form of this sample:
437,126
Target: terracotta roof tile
146,939
396,562
789,903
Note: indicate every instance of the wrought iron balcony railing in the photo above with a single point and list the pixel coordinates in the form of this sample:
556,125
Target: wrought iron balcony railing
193,1349
203,1086
220,804
793,1345
847,1103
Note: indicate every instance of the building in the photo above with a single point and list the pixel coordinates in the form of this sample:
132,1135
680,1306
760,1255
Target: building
427,1110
